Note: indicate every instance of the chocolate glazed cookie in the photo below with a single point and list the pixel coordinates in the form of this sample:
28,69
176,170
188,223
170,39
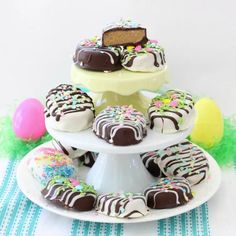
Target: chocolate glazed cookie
70,193
120,125
91,55
168,192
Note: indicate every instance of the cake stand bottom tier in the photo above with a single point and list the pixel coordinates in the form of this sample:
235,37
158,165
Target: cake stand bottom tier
31,188
119,173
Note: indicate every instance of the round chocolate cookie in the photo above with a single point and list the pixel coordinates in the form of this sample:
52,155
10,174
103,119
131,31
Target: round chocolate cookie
147,58
168,192
150,161
70,193
184,160
91,55
124,205
69,109
120,125
171,112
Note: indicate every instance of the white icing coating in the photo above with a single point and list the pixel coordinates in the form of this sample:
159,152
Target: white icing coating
47,163
184,160
122,23
149,58
69,109
122,206
172,112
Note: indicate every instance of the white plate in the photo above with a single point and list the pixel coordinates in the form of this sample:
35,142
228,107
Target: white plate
31,188
87,140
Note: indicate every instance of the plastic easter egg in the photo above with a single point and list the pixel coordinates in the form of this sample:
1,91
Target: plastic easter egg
28,120
209,124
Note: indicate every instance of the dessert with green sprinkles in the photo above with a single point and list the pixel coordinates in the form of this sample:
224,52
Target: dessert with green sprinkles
171,112
168,192
120,125
48,162
186,160
69,109
122,205
70,193
147,58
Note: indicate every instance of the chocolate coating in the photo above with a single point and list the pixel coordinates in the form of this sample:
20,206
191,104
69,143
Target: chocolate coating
70,193
150,161
186,160
88,159
168,192
120,125
92,56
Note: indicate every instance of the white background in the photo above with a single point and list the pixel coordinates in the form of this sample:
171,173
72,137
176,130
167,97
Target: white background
38,38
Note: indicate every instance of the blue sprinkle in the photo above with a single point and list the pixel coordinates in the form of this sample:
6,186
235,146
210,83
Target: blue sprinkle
79,187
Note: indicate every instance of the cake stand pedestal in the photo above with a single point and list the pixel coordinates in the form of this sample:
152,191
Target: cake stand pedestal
118,168
120,87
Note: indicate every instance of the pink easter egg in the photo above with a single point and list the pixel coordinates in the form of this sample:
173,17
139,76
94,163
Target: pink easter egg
28,120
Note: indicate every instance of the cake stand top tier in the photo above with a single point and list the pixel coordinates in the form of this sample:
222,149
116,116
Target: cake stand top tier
87,140
123,82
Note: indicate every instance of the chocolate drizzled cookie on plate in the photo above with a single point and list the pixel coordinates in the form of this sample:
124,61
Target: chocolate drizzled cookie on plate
120,125
68,108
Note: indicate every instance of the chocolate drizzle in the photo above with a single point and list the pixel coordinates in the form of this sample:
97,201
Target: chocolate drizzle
122,205
170,111
66,99
185,160
168,192
120,125
68,196
92,55
150,161
141,55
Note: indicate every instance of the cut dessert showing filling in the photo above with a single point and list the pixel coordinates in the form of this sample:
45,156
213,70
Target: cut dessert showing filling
124,33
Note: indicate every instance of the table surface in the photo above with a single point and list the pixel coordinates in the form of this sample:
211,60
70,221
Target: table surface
18,214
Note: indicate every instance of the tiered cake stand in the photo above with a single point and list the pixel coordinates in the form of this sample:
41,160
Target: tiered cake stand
120,87
118,168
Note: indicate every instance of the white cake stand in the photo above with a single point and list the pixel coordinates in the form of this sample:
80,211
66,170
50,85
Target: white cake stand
118,168
31,188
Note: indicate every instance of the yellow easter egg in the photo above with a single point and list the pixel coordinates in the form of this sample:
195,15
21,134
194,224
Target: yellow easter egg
209,124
